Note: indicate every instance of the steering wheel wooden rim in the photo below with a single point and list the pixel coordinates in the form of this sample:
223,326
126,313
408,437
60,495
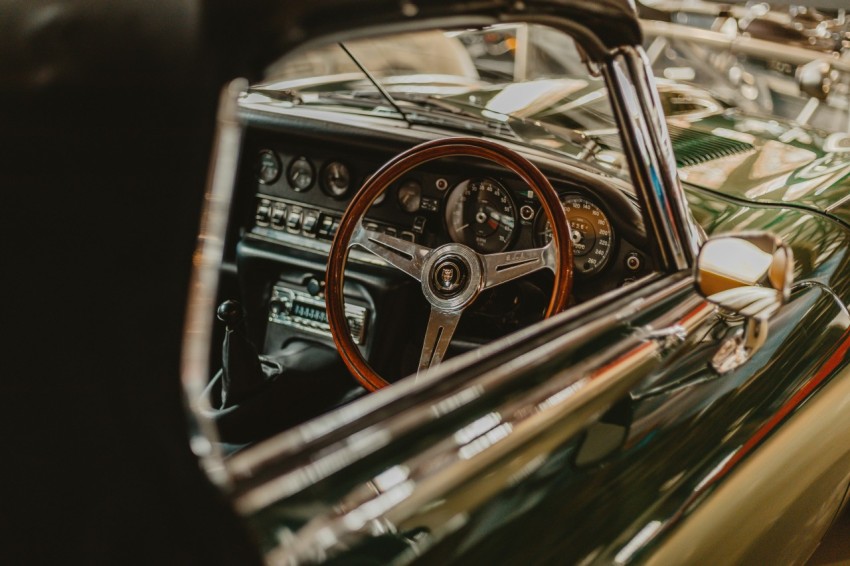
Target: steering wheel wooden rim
395,169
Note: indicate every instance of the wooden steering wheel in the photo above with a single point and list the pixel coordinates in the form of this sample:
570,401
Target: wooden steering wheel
452,275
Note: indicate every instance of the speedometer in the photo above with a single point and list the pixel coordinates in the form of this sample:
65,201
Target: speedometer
481,214
591,231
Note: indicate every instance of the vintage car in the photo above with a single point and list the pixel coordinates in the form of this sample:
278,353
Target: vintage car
624,335
468,316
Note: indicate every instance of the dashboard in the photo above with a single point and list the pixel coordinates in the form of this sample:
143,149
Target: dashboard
294,187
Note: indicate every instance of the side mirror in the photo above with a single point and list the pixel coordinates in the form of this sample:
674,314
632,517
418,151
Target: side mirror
748,275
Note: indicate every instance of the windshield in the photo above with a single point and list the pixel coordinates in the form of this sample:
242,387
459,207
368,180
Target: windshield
519,81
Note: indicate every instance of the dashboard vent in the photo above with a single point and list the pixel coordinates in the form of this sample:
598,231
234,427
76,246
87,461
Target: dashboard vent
693,147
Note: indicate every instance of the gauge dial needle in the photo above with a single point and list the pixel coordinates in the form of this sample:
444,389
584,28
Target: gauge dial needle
494,220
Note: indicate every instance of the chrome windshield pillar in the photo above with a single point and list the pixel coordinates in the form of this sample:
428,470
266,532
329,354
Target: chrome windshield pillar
649,151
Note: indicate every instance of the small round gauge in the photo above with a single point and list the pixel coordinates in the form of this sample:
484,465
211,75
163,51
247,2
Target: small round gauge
336,179
268,167
410,196
300,174
481,214
592,233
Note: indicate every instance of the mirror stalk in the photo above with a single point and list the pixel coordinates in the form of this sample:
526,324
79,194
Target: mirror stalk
748,275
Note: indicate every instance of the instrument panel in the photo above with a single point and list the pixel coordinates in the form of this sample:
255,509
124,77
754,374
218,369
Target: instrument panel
304,194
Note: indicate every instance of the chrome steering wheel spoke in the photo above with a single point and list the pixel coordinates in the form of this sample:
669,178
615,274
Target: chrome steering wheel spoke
401,254
506,266
438,335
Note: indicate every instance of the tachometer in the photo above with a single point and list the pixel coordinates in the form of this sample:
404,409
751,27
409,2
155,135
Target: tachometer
592,234
481,214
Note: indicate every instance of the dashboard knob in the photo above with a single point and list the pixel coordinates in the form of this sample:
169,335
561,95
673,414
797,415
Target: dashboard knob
315,287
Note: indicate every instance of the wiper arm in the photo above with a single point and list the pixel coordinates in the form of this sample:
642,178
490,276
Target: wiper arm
434,111
423,110
432,102
432,106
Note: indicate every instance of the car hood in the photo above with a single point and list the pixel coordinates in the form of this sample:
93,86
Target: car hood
765,160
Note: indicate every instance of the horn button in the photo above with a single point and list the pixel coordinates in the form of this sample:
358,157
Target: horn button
451,276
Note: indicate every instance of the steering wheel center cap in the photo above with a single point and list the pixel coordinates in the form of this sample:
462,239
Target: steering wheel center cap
450,276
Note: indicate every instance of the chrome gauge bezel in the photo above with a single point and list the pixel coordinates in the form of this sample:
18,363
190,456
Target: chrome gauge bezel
409,195
332,173
268,167
310,171
602,252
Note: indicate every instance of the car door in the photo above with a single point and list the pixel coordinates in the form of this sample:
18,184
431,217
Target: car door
609,417
432,459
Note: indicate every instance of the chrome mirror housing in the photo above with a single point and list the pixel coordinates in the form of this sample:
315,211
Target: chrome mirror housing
748,275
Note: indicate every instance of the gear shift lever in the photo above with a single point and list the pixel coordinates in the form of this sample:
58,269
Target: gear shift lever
242,373
255,396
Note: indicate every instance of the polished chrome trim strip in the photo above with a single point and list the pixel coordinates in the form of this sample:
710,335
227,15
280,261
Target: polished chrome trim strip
806,283
838,204
320,247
